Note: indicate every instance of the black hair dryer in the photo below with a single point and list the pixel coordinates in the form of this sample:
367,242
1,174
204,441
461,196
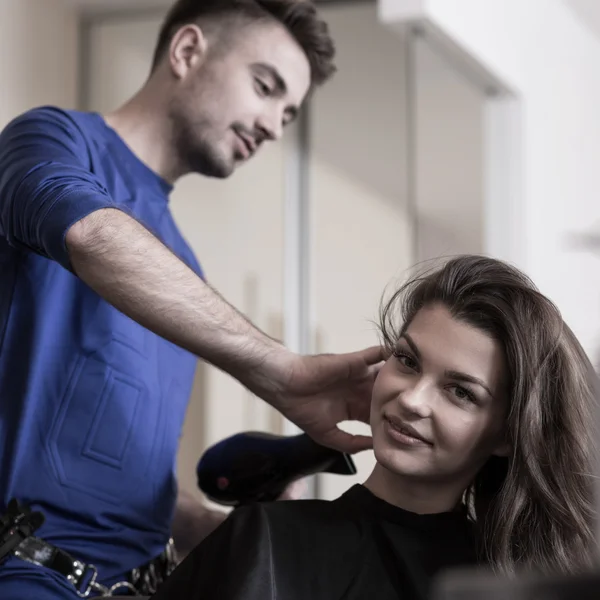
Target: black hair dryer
257,467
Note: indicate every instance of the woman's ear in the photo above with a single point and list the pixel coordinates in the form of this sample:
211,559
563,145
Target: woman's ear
503,449
188,48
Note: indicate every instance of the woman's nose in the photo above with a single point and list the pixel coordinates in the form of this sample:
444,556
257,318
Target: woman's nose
416,397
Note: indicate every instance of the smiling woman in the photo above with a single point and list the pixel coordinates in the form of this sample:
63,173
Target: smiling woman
439,410
481,430
485,369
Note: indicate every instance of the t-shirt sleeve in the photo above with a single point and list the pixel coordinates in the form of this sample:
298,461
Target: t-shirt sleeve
235,562
46,184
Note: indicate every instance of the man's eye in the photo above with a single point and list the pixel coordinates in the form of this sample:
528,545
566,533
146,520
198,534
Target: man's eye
262,87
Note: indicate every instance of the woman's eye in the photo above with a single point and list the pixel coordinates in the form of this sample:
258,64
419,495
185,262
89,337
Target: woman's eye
406,360
463,393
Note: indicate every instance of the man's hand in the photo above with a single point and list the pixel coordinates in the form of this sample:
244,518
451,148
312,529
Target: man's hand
319,392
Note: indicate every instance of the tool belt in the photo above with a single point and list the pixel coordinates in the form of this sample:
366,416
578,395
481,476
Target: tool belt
16,539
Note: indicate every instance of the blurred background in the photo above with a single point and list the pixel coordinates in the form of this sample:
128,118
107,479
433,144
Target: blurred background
452,126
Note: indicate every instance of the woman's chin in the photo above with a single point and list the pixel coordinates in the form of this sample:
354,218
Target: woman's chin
398,462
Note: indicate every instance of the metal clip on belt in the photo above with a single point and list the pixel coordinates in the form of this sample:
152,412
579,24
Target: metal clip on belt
84,578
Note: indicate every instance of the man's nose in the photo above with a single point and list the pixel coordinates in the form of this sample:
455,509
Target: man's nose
271,125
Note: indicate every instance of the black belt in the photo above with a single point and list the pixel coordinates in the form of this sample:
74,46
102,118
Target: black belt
84,577
19,523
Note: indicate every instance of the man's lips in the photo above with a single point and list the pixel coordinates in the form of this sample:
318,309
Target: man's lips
248,143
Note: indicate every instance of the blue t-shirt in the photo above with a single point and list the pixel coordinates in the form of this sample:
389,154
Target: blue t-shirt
91,403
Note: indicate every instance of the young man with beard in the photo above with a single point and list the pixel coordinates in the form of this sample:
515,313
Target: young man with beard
104,309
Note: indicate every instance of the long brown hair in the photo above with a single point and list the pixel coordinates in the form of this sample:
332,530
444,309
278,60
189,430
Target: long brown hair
534,509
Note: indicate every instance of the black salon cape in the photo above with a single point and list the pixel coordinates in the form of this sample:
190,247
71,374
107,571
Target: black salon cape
355,547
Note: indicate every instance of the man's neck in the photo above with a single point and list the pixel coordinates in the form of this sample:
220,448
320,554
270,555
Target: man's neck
413,496
143,127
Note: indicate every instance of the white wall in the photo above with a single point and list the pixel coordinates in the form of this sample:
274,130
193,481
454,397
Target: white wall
546,55
361,234
363,230
589,13
38,55
448,156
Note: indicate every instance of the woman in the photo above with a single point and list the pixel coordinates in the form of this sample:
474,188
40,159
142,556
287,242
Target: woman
481,423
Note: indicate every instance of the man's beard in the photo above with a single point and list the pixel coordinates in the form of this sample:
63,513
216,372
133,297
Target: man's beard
199,156
196,154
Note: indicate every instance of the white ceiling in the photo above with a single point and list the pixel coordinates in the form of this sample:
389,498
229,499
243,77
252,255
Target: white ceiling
587,10
97,6
110,4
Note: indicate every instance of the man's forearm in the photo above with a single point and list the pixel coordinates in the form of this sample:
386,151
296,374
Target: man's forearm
130,268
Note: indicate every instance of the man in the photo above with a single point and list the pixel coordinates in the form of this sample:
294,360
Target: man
103,307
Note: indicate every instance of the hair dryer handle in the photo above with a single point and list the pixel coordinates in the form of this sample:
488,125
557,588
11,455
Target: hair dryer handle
254,466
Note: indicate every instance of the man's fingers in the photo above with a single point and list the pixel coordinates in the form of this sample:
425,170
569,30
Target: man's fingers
360,410
373,355
359,443
361,362
346,442
374,370
295,491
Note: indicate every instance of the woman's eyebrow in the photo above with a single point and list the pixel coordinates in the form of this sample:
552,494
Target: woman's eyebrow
412,344
458,376
451,374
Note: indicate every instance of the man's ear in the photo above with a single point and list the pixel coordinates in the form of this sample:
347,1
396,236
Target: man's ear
188,48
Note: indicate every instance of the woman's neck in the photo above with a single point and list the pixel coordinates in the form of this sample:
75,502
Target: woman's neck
410,495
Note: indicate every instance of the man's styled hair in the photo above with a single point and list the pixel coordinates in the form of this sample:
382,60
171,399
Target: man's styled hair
299,17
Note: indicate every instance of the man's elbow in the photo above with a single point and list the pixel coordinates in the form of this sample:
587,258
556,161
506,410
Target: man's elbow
75,236
91,231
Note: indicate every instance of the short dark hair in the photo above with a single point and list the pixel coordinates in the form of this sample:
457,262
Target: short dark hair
299,17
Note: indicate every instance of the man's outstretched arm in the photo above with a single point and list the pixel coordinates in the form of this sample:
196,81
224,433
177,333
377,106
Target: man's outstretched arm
131,269
51,203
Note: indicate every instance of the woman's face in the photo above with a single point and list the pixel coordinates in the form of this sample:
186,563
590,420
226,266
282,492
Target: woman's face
439,403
